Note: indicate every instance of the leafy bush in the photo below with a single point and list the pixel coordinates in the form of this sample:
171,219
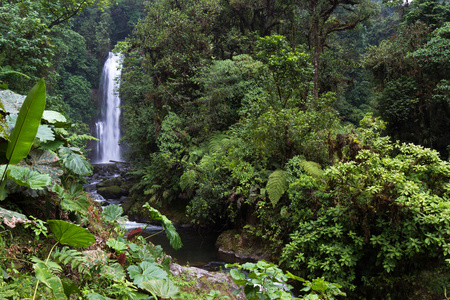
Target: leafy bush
374,219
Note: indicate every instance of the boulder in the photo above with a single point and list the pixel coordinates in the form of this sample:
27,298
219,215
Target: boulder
242,246
110,192
110,182
204,280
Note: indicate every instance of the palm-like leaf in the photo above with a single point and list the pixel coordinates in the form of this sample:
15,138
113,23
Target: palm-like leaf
27,124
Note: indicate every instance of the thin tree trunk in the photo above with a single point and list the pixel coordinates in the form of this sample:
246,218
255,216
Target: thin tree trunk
316,50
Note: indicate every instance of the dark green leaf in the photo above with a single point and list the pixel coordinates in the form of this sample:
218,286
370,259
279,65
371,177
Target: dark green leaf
24,176
146,271
165,289
27,124
171,232
75,162
70,234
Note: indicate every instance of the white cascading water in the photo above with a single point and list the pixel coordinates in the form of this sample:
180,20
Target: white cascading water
107,127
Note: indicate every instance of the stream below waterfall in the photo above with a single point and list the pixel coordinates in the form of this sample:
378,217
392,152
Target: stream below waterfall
198,249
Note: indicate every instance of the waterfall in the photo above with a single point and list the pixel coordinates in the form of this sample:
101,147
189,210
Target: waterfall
107,127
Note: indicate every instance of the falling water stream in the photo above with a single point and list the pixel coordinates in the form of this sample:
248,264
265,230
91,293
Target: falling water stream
107,127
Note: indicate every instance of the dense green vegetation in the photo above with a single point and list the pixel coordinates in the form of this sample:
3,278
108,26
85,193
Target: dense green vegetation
316,129
259,122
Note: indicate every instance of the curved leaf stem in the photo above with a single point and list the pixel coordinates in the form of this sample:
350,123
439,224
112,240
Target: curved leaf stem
154,234
46,261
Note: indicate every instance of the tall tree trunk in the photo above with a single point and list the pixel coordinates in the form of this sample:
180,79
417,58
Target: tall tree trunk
316,49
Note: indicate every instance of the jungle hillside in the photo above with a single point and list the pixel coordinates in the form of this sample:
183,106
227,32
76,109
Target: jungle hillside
312,135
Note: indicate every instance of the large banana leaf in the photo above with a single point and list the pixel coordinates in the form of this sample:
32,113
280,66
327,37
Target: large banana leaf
27,124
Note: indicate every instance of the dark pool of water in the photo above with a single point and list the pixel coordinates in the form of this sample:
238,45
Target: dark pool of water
198,249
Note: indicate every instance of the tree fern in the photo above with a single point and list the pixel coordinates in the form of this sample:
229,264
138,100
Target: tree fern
311,168
277,185
218,142
76,259
188,180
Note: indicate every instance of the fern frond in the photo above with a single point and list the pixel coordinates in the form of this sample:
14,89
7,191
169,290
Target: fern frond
218,142
312,168
206,163
81,138
188,179
277,184
76,259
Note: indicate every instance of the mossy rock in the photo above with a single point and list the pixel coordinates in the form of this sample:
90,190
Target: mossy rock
115,181
110,192
241,245
126,186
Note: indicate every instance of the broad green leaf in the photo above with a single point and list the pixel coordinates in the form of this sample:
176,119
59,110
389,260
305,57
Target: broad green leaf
146,271
75,162
238,276
171,232
44,274
24,176
78,205
42,271
70,287
57,288
4,191
11,120
45,134
113,213
94,296
54,117
75,200
165,288
27,124
52,146
118,246
70,234
44,162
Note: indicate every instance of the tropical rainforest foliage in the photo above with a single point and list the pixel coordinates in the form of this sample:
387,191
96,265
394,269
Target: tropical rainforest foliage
316,129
